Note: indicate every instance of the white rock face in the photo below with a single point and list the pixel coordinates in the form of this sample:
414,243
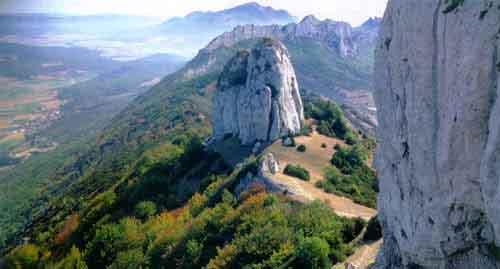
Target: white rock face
436,88
339,36
269,164
257,97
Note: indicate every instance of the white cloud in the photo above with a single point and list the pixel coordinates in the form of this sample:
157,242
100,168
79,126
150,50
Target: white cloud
354,11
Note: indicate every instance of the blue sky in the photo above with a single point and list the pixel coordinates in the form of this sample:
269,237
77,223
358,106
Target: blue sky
353,11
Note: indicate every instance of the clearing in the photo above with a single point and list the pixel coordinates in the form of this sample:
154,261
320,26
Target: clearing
315,159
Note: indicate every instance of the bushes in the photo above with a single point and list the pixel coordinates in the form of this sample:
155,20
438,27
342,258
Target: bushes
350,176
330,120
25,256
297,171
301,148
146,209
261,231
452,5
74,260
306,129
349,159
313,253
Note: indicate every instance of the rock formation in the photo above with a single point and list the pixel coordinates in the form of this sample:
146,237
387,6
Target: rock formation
257,97
339,36
436,77
265,176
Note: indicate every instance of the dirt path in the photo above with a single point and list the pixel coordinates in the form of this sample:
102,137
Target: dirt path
364,256
319,152
315,159
306,191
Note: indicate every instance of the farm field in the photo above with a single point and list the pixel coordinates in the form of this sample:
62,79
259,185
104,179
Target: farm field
29,105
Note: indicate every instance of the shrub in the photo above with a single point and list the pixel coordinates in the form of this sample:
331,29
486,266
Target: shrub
347,160
111,239
132,259
301,148
351,177
306,130
298,172
74,260
452,5
340,128
351,138
145,209
313,252
25,256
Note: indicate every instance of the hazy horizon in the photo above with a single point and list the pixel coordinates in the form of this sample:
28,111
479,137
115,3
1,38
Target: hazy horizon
353,11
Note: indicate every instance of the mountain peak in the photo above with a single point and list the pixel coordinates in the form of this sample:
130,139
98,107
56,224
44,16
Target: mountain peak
310,19
372,22
217,22
250,5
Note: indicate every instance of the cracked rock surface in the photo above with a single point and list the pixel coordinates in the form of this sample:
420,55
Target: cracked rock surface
436,88
257,97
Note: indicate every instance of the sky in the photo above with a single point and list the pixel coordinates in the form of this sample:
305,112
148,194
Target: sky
353,11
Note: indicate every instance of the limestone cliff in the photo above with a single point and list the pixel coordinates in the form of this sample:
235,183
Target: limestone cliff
338,36
257,97
436,77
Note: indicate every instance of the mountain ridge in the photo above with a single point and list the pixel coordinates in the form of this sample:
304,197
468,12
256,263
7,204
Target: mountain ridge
215,21
336,34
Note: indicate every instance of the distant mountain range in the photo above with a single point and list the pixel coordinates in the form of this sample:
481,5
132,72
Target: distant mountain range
179,35
199,28
225,20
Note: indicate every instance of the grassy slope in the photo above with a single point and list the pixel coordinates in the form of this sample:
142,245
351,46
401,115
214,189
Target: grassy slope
90,106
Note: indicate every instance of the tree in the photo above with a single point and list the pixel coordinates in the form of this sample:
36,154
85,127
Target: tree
74,260
131,259
24,257
145,209
313,253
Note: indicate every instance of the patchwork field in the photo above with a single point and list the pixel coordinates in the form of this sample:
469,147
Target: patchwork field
28,105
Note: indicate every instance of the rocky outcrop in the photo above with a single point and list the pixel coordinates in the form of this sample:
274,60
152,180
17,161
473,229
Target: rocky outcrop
257,97
339,36
436,88
268,166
